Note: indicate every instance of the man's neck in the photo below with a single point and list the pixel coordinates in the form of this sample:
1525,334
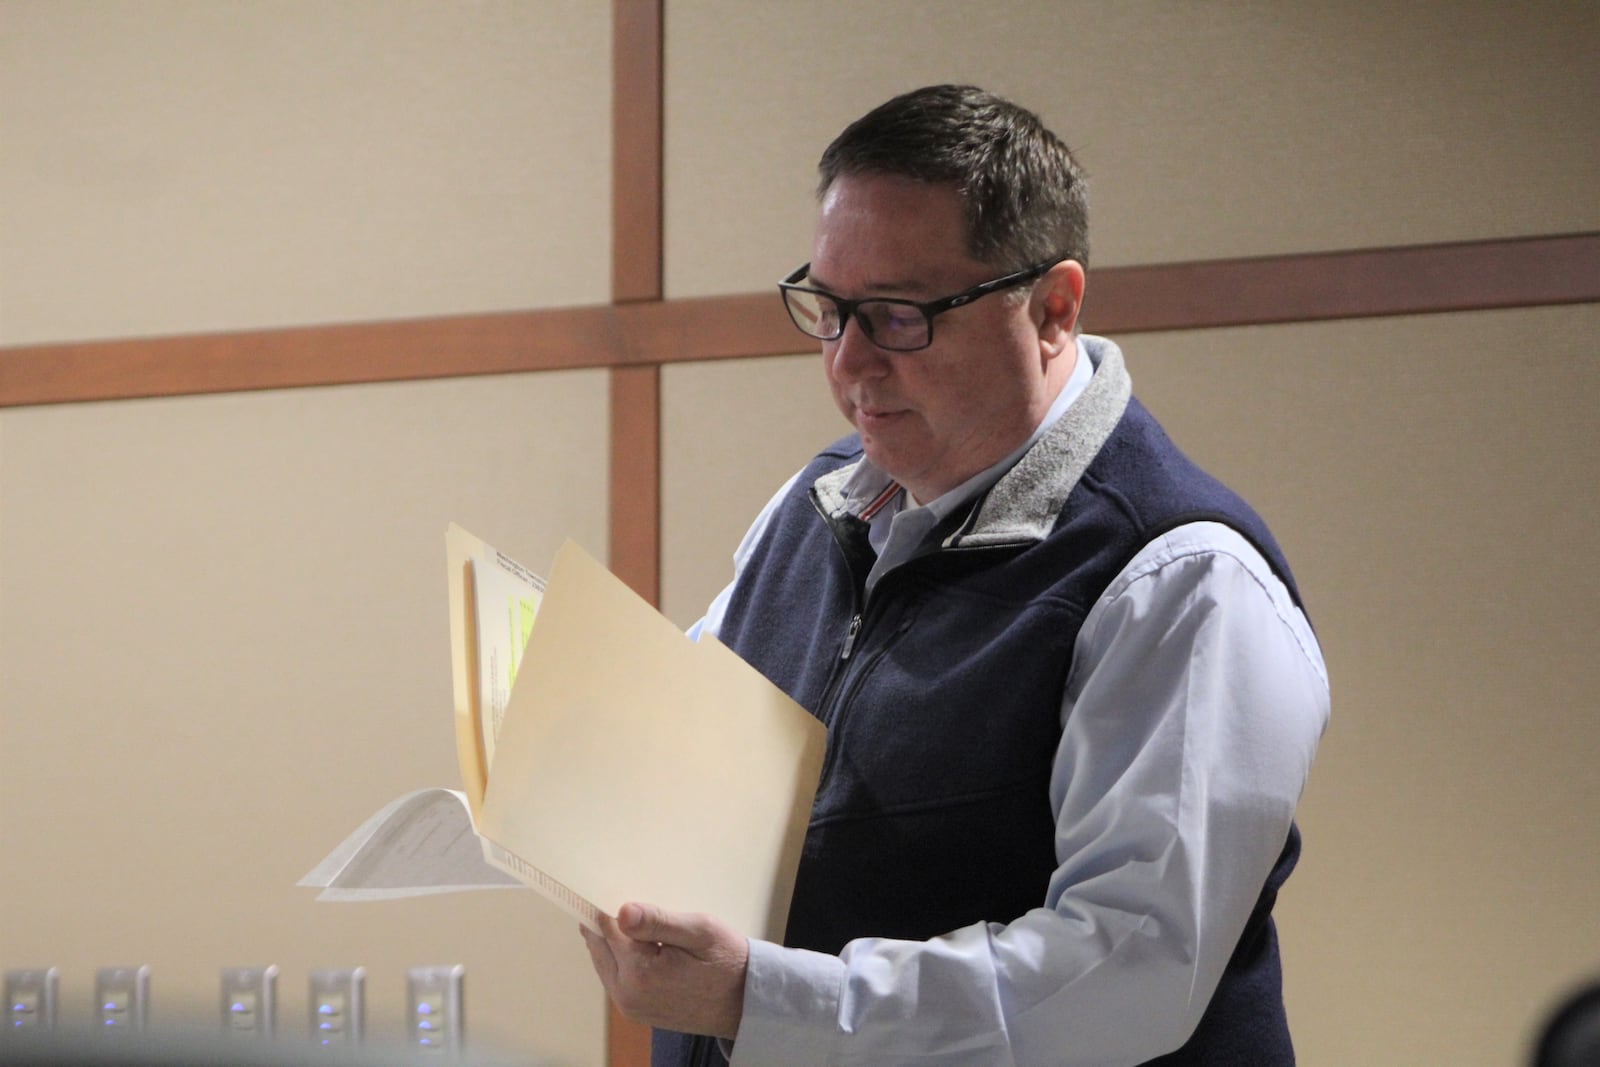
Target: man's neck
1060,388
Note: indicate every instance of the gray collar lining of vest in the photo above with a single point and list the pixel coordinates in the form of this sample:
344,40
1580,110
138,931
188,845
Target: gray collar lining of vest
1024,503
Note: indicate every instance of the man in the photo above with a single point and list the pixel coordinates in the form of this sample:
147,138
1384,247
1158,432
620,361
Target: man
1071,696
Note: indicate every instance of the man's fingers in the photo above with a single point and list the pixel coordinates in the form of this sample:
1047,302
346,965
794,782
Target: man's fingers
605,961
683,972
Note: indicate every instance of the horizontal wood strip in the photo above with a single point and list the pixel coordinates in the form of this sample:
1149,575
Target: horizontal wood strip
1523,272
309,355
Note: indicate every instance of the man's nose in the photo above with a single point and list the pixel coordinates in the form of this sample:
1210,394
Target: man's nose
855,356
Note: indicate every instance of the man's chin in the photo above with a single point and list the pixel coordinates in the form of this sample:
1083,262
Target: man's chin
885,459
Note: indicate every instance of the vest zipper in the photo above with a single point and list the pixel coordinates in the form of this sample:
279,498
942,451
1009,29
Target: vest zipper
850,636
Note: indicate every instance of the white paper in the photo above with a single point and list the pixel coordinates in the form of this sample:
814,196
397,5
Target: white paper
419,844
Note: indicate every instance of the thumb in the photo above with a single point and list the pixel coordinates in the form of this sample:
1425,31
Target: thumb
647,922
642,922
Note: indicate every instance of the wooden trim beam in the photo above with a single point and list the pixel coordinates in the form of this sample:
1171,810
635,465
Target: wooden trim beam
451,346
636,161
304,356
635,482
635,385
1419,279
1479,275
636,257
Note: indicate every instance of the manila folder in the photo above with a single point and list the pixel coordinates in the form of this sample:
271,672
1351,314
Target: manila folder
634,764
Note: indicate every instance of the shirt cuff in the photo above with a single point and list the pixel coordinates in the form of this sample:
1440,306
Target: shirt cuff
791,1007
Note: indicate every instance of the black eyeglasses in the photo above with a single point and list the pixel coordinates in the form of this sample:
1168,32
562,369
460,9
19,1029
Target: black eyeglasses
897,325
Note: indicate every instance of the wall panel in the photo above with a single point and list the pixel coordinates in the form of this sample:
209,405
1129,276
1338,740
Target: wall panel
1208,130
180,166
224,643
1432,480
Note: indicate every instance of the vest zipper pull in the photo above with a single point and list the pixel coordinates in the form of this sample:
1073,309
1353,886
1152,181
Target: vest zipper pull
850,636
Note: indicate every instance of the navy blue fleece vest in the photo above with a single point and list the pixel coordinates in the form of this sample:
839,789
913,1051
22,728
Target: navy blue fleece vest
942,698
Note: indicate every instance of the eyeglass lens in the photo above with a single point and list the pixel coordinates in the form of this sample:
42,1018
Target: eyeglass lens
888,323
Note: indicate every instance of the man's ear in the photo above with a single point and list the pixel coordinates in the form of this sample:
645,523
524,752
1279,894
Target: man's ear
1056,302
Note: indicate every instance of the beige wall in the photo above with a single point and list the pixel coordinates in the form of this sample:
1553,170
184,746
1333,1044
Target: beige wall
174,166
221,618
223,644
1433,481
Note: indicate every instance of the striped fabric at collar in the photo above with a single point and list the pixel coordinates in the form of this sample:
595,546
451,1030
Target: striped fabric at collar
880,501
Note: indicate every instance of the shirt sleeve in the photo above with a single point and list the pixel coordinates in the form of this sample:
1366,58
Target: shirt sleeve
1195,703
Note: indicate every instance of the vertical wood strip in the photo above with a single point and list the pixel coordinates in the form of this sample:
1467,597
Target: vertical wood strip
636,166
635,435
636,277
635,478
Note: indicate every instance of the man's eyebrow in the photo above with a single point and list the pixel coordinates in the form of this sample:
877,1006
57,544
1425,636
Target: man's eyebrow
903,289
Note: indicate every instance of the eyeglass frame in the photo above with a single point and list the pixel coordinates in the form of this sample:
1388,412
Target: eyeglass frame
928,308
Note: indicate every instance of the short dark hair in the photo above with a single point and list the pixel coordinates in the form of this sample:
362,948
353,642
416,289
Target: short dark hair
1022,191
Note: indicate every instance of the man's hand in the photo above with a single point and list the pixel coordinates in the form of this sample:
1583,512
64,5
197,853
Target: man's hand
672,970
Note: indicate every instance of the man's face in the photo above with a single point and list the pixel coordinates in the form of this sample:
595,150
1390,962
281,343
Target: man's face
935,417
